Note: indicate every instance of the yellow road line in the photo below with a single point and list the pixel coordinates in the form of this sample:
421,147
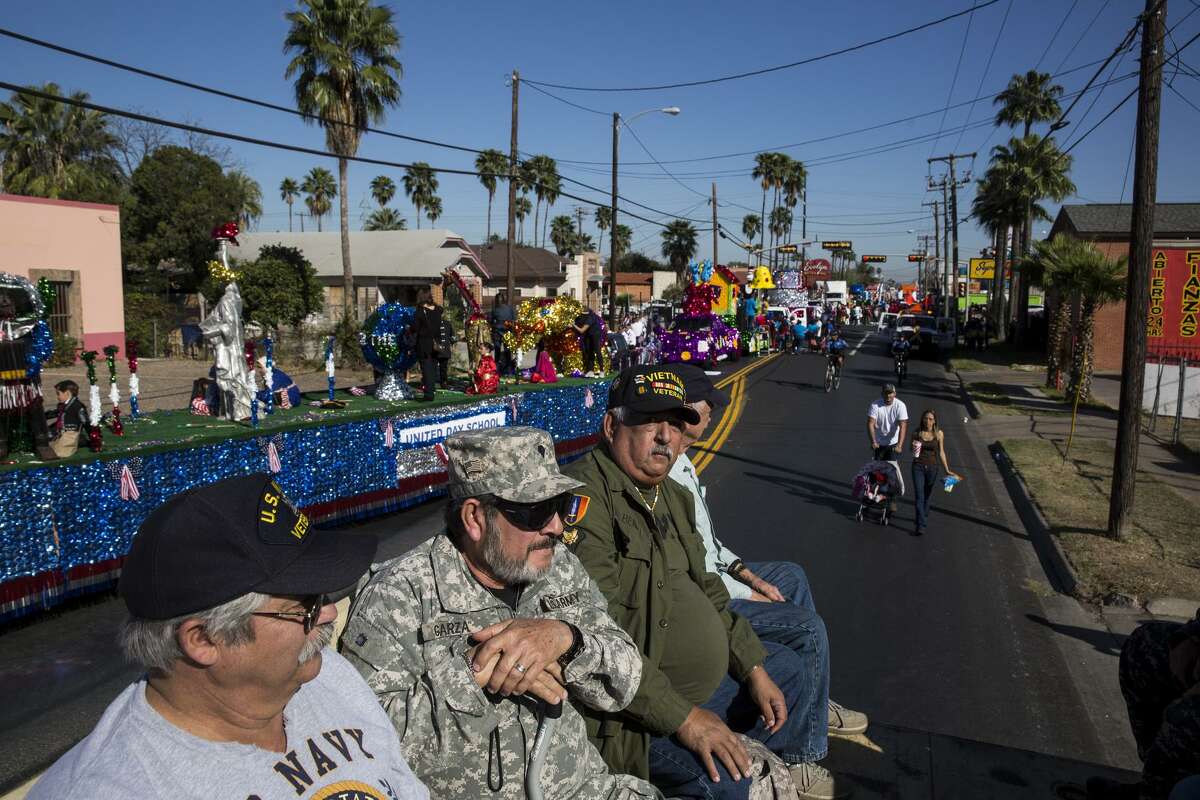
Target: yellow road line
728,379
737,402
703,456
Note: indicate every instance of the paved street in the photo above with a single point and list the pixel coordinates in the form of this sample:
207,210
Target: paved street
952,636
955,632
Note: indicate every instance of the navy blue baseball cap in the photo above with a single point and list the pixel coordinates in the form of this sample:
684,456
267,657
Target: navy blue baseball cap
214,543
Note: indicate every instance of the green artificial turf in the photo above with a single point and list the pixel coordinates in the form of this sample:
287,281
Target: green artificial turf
160,431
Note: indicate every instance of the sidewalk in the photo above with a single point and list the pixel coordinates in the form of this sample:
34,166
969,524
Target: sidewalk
1031,413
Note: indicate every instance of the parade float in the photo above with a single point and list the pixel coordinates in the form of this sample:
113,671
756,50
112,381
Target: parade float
698,334
547,324
342,454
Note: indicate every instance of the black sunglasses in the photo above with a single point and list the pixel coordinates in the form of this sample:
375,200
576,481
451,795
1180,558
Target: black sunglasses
308,617
534,516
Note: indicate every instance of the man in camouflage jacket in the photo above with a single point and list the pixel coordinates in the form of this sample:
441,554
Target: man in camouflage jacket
469,637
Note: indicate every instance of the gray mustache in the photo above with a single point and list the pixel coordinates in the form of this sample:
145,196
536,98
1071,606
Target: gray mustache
661,450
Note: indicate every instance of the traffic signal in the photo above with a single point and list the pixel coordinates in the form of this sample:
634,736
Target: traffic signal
789,248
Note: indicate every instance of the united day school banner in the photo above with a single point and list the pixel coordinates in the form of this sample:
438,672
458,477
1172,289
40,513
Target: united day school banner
1173,322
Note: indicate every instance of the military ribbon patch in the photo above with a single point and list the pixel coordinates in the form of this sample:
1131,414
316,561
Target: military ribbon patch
577,510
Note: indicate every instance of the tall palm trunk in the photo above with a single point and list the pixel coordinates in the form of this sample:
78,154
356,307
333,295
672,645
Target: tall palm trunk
536,208
489,225
344,213
600,247
1023,293
762,234
1081,359
289,216
1056,336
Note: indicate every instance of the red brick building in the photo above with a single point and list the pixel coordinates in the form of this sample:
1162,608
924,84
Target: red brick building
1107,225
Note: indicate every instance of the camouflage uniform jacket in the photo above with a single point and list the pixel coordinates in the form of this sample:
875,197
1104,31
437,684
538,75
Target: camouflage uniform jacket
407,634
611,534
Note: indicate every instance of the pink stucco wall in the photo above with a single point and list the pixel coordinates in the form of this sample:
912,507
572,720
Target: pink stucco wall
37,233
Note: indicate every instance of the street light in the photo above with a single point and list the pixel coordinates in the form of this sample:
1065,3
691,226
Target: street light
612,267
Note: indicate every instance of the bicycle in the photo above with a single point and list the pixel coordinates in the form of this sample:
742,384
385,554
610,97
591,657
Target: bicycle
901,366
833,373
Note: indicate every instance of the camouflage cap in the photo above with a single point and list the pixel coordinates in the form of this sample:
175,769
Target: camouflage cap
514,463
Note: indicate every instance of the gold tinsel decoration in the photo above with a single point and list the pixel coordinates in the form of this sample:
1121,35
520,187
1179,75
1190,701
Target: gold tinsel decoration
551,321
221,273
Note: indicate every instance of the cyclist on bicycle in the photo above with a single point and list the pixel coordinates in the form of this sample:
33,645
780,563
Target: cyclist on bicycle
835,347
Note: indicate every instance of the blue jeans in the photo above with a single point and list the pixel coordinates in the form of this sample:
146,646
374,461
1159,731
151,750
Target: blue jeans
797,626
924,480
1186,789
678,772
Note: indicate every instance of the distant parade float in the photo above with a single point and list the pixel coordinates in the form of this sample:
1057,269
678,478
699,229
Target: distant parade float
548,324
698,334
388,346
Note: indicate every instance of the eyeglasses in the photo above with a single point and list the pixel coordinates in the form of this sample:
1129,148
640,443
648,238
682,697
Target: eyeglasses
534,516
308,617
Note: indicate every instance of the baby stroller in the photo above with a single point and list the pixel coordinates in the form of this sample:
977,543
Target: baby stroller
876,485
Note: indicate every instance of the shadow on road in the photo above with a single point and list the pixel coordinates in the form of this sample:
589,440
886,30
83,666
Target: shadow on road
812,387
1104,641
840,500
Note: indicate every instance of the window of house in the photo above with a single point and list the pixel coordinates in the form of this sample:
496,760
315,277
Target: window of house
60,314
551,292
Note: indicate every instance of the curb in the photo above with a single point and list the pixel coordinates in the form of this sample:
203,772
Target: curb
968,401
1172,607
1054,561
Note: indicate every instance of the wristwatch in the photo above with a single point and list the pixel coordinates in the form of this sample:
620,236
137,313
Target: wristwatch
574,650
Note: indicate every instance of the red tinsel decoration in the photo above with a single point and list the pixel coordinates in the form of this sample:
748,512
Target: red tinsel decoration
131,353
228,230
95,440
250,354
117,427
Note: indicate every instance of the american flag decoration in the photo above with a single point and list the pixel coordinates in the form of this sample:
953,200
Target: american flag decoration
358,391
271,447
389,433
126,474
442,455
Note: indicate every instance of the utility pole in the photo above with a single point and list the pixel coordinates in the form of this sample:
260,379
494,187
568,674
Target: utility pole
937,250
612,240
715,237
511,278
1137,287
804,226
952,272
578,222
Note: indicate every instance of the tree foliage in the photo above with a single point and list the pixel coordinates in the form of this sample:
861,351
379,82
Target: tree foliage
176,197
385,219
51,149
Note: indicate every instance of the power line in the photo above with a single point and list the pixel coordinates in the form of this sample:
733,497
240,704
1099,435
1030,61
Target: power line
265,104
1085,33
819,139
765,70
1057,31
1181,96
237,137
953,82
642,144
986,68
537,88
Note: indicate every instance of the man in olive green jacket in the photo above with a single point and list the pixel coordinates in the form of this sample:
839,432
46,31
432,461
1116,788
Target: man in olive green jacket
705,675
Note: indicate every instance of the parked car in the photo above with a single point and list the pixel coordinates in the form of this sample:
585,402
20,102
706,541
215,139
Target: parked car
706,339
886,321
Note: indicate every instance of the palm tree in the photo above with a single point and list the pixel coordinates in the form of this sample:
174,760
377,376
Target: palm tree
541,175
795,179
385,219
553,185
421,185
319,189
764,173
603,219
521,210
1058,263
781,223
679,245
782,165
623,236
562,234
289,190
1101,281
998,209
1029,98
248,195
51,149
492,166
433,209
751,225
584,243
1035,169
383,189
347,74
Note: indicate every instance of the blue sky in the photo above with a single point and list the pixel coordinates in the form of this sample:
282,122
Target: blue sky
456,56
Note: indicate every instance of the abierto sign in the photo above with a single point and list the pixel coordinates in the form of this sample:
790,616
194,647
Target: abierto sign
1173,320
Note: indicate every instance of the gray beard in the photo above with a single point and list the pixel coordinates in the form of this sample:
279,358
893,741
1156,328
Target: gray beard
510,571
323,635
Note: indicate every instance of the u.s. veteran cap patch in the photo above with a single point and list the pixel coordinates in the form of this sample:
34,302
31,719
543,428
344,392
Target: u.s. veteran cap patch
279,521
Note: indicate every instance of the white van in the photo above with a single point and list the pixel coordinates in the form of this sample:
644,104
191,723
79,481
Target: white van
887,321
